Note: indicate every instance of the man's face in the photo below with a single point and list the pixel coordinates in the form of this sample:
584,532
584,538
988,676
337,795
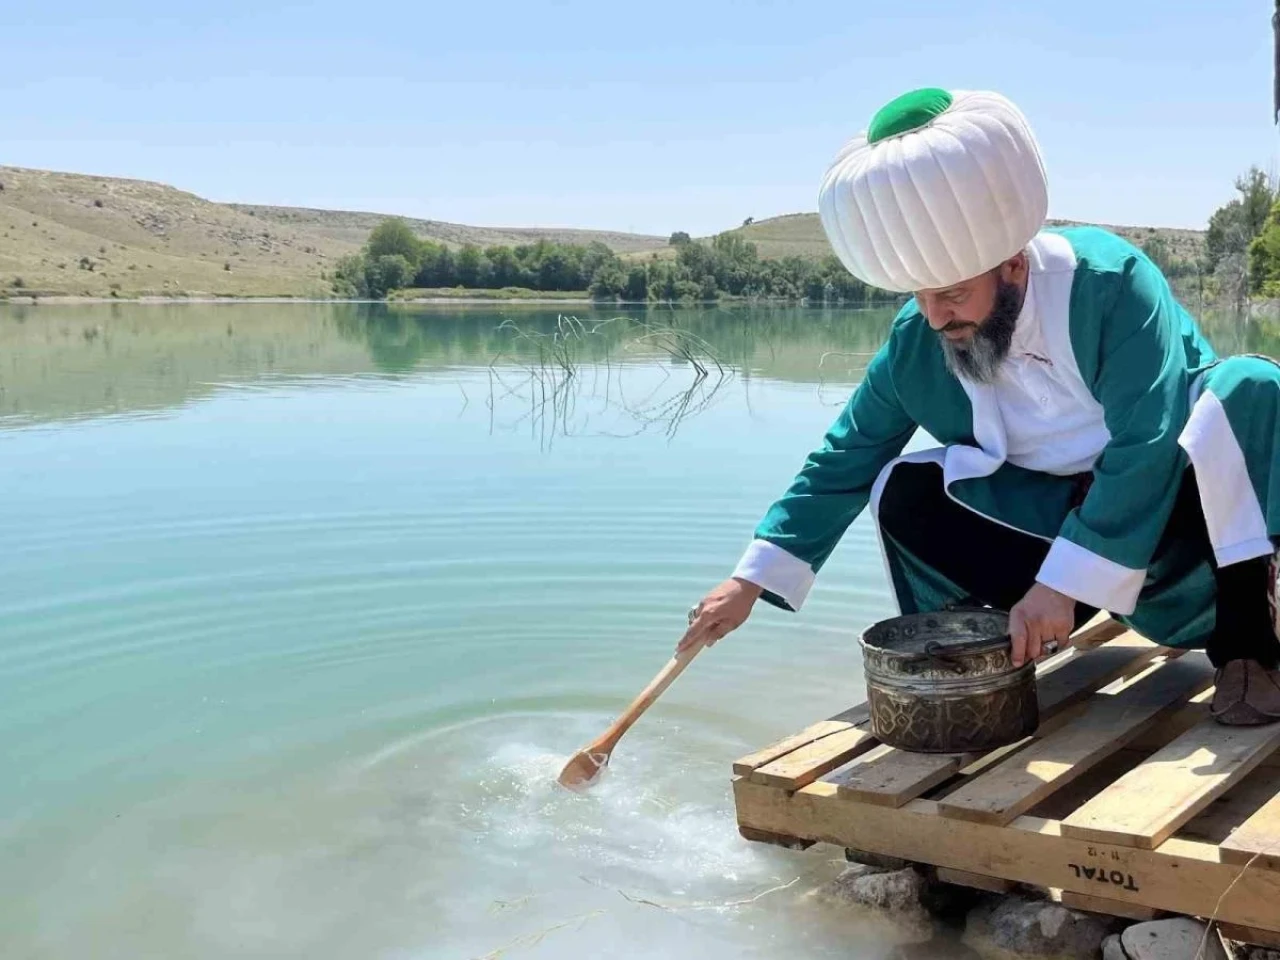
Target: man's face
976,319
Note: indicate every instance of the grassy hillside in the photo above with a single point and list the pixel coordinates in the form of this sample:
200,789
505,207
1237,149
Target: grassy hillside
92,236
73,234
351,228
800,234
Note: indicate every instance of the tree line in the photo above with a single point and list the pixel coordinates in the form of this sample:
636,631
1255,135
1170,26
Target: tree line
395,258
1242,244
1240,258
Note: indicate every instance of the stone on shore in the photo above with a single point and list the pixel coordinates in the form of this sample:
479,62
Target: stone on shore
1180,938
889,900
1013,928
1112,949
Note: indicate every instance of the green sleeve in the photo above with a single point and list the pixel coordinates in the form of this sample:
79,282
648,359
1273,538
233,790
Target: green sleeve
801,529
1127,330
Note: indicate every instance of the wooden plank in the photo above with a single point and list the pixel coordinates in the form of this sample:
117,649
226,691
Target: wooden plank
977,881
1181,877
1078,678
1228,813
1250,935
823,728
1108,722
801,767
1148,804
1097,632
899,776
1257,839
1112,908
893,778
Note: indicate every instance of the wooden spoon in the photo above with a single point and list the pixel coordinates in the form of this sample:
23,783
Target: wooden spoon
586,765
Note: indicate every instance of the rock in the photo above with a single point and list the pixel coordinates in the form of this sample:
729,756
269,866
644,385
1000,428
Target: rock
1178,939
942,948
1012,928
1112,948
890,900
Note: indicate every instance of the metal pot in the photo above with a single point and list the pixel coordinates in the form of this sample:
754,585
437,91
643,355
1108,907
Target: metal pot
945,682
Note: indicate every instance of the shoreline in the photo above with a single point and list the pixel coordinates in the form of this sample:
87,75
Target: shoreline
65,299
80,299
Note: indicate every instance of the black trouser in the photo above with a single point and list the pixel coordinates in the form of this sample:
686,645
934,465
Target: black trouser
997,565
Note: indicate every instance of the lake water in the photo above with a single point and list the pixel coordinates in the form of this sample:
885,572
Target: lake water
303,607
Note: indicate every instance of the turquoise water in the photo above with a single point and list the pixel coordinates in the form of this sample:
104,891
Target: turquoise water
303,607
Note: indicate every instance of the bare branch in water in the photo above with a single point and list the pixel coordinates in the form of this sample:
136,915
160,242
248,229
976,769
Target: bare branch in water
698,904
533,939
822,360
550,361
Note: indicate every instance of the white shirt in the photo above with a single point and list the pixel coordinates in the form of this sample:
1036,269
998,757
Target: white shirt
1051,421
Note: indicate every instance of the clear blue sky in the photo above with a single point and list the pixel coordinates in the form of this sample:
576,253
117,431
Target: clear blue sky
647,117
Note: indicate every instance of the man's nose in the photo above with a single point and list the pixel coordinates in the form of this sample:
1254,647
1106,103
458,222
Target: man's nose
937,316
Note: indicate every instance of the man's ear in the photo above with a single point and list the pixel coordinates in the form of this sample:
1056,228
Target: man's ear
1015,269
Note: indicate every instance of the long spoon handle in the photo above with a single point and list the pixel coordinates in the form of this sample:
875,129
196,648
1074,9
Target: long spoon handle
665,677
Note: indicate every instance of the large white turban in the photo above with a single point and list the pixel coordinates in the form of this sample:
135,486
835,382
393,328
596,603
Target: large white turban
941,187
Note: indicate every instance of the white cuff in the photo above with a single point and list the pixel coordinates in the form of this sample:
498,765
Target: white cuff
771,568
1244,550
1089,578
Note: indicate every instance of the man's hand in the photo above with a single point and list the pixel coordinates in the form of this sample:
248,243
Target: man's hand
721,611
1042,615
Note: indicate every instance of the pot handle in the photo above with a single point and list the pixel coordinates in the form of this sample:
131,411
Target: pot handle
935,657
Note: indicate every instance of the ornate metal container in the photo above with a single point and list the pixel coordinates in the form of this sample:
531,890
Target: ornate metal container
945,682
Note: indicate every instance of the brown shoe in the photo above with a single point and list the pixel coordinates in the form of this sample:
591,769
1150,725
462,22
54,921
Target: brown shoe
1247,694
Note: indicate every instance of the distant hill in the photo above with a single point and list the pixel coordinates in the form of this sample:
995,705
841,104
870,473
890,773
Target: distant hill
352,228
75,234
800,234
68,233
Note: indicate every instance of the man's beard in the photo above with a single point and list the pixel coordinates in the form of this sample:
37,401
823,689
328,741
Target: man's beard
979,358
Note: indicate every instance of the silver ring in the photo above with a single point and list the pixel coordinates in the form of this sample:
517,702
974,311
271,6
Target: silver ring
693,615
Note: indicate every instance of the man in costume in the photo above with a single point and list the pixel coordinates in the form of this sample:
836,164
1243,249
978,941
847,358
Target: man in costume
1094,452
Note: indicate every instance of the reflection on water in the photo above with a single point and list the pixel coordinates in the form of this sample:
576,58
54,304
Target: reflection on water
302,607
59,361
65,361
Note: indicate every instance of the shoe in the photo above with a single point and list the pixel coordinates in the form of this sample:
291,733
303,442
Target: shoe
1247,694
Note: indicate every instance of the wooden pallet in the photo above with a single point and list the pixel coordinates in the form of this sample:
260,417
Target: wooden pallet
1129,799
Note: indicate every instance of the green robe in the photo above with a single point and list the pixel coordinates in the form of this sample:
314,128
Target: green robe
1134,394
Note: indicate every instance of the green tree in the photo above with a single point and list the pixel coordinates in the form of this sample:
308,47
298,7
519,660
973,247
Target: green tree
556,271
348,277
504,268
438,267
386,273
696,259
608,282
471,267
594,256
393,237
637,287
1264,257
1233,226
679,238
